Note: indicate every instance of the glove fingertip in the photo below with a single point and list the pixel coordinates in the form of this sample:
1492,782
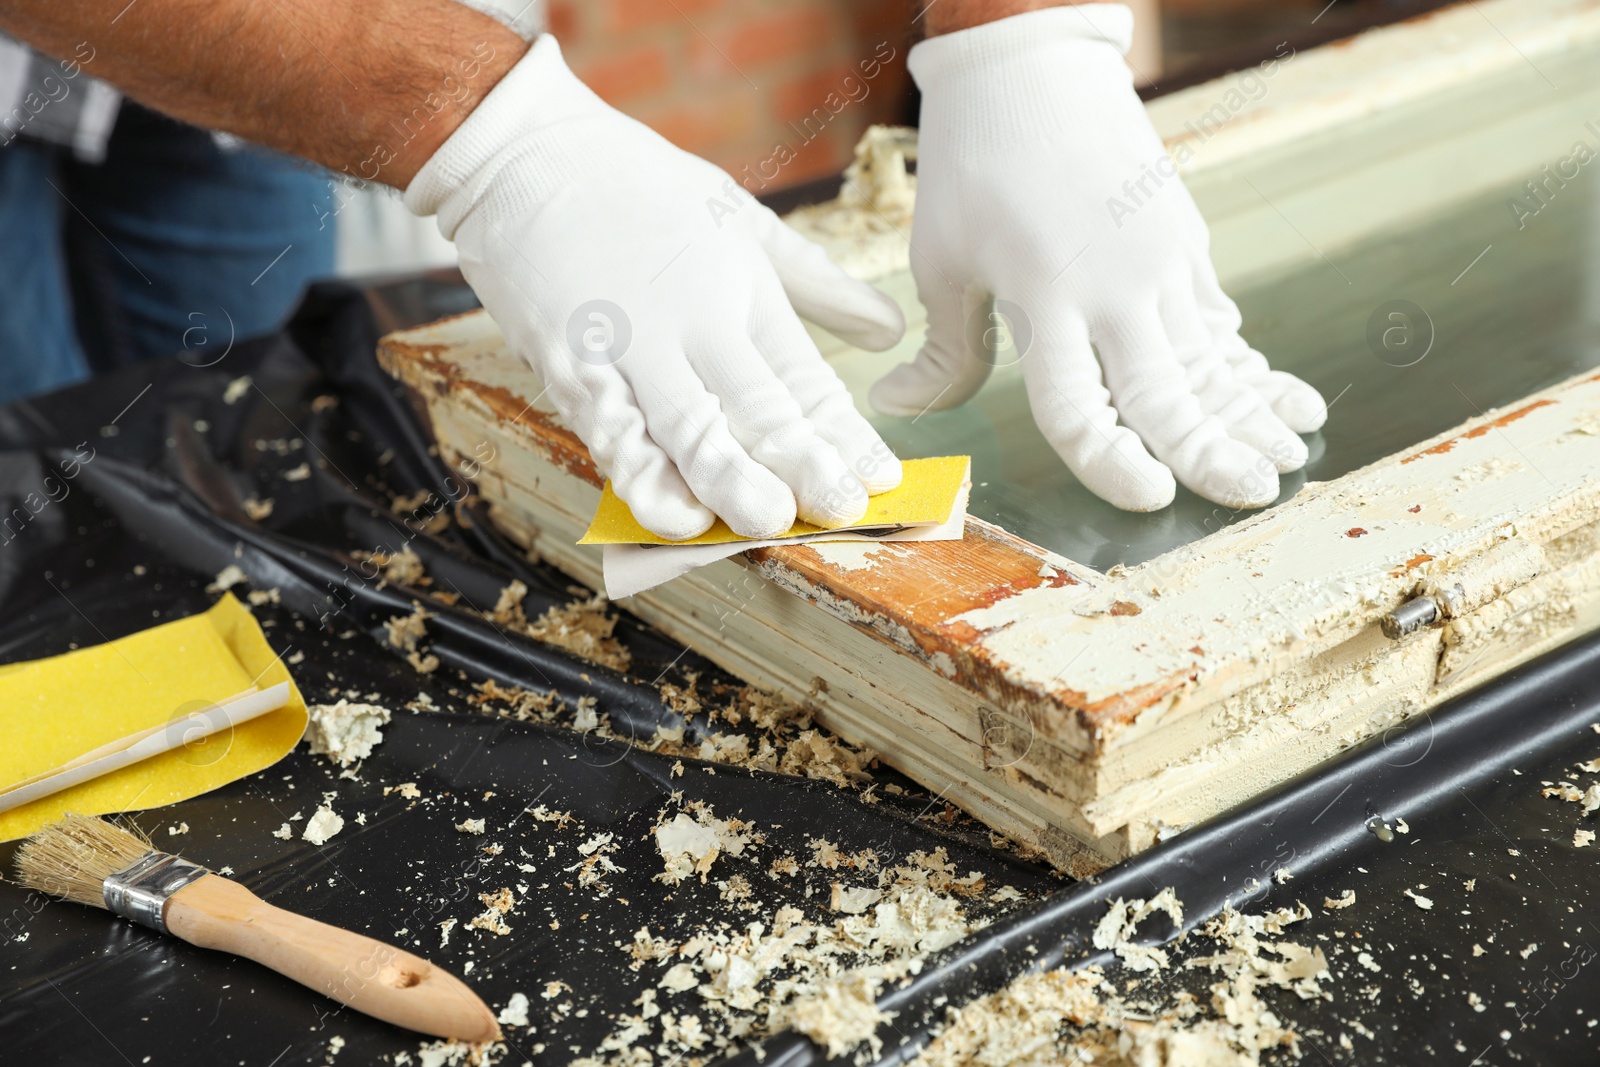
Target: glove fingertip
1299,405
675,520
915,388
889,395
884,476
880,325
1152,488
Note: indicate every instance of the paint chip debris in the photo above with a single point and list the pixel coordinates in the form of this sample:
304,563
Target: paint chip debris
515,1013
690,845
322,825
344,732
854,900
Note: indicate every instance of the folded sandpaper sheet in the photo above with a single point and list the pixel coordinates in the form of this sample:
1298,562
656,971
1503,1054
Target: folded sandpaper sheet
135,536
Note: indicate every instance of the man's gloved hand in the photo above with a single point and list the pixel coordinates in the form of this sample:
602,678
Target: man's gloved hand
657,301
1042,184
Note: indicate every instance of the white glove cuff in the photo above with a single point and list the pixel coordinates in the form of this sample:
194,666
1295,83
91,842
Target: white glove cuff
981,47
538,93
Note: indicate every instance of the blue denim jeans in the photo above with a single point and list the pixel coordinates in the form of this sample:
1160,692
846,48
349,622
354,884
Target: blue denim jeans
172,245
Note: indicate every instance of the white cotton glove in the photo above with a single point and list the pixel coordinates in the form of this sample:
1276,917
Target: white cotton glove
657,301
1031,137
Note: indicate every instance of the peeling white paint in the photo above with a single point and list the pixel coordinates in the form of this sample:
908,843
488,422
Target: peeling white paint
855,555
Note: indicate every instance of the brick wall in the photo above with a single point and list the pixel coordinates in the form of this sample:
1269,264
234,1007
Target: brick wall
774,91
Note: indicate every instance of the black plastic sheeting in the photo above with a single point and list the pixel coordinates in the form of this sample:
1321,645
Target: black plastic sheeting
132,492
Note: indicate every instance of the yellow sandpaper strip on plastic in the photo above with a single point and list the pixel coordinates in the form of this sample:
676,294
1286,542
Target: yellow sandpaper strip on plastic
924,497
54,710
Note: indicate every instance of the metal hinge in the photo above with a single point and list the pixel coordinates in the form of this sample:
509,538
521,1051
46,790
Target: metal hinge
1465,587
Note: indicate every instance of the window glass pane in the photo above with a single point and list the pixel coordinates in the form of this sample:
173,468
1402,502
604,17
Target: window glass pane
1510,297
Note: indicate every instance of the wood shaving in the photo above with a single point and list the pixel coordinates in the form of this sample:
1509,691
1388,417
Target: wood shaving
227,578
843,1014
1081,1017
596,864
470,826
298,474
444,1053
783,971
1420,901
1582,838
405,631
411,501
408,790
562,819
646,948
1117,927
257,508
1563,791
583,627
1344,900
236,389
402,568
498,905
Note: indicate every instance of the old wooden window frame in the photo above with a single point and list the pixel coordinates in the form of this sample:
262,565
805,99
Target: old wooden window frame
1087,714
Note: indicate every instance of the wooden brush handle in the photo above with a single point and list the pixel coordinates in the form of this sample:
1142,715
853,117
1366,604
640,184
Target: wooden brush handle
370,976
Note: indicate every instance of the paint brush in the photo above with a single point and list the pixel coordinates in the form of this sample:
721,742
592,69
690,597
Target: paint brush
96,862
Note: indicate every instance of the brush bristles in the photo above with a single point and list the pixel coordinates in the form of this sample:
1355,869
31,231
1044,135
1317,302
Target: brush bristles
72,858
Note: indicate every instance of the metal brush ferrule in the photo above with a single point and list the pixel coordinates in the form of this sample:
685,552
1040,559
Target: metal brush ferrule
140,890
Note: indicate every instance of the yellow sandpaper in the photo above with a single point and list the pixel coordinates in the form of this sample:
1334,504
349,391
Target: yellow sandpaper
924,497
54,710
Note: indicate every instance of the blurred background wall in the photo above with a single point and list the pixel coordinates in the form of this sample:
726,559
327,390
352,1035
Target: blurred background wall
747,83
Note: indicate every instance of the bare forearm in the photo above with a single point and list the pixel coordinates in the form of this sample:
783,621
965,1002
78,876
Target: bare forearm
948,16
369,89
